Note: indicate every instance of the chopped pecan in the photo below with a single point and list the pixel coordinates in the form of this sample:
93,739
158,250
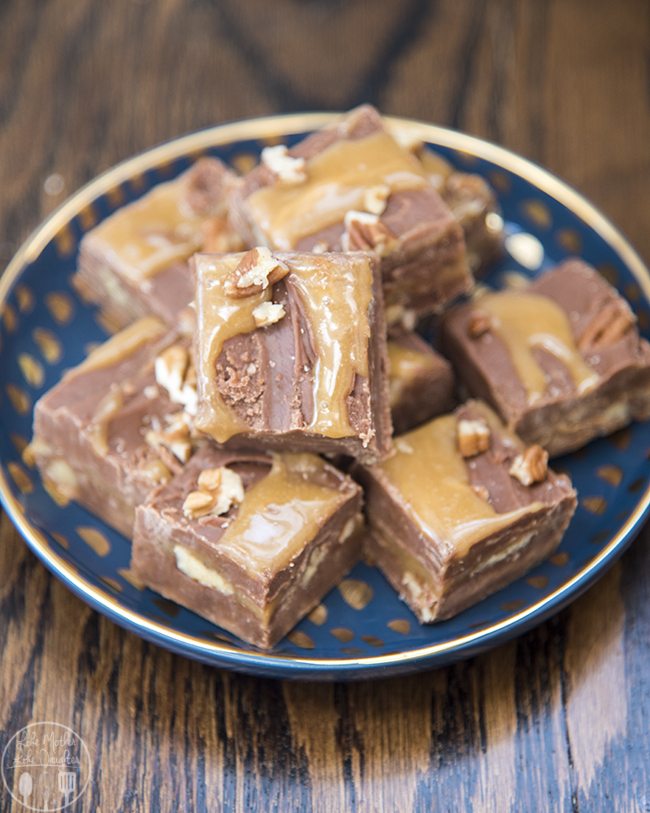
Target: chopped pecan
607,327
287,168
366,232
175,373
257,269
478,324
219,489
268,313
531,466
473,437
175,437
376,198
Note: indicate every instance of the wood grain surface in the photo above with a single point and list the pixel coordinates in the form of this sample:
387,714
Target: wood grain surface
557,720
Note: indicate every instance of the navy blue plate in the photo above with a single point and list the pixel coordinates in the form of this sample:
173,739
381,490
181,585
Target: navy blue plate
361,629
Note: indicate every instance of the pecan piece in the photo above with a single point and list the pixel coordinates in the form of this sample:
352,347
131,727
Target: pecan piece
219,489
257,269
531,466
287,168
473,437
607,327
366,232
478,324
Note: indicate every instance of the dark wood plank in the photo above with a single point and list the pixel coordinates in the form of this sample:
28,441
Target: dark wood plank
555,720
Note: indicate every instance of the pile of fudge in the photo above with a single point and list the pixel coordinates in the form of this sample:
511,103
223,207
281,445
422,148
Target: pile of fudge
265,413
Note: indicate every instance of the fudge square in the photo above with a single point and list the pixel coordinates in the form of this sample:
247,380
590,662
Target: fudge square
352,186
115,427
251,542
291,352
134,263
461,509
561,360
420,382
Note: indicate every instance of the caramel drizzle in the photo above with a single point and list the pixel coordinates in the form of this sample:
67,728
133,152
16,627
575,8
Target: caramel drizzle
282,513
122,345
336,302
337,179
525,321
433,482
153,232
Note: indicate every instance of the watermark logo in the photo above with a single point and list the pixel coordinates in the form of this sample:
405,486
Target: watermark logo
45,766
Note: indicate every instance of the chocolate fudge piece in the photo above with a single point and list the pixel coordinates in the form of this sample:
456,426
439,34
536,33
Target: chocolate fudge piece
119,424
352,186
473,203
420,382
291,352
251,542
461,509
561,360
134,263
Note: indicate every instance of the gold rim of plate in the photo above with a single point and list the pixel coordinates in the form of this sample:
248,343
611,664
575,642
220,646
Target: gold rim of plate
270,128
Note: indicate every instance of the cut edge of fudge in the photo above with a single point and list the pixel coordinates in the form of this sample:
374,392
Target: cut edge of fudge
418,240
110,431
516,511
209,560
602,386
175,219
264,382
421,382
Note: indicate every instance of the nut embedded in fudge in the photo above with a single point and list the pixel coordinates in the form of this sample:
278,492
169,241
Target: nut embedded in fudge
115,427
135,262
420,382
291,352
351,186
461,509
251,542
561,360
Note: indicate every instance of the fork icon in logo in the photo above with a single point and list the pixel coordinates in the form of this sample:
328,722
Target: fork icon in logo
67,784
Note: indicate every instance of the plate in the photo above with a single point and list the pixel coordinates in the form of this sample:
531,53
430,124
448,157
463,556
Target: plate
361,629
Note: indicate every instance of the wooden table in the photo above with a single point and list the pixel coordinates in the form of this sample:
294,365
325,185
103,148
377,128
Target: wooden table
557,720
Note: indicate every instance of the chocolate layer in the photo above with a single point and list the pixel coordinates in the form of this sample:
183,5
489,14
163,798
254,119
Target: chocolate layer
315,378
135,262
102,434
257,569
590,382
422,259
448,529
421,382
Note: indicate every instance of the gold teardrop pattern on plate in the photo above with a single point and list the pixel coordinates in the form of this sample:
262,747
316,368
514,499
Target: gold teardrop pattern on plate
372,640
112,583
64,241
401,625
609,271
168,607
137,182
356,593
466,158
342,634
272,141
318,615
24,298
116,196
31,369
632,291
353,651
595,505
570,240
20,478
94,539
60,540
621,439
560,559
20,401
538,582
301,639
60,306
129,576
610,474
244,162
499,180
9,318
87,217
511,606
537,212
48,344
20,443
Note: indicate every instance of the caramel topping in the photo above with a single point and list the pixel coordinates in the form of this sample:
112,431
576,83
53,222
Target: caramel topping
122,345
153,232
282,513
404,364
337,181
433,481
525,321
335,297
